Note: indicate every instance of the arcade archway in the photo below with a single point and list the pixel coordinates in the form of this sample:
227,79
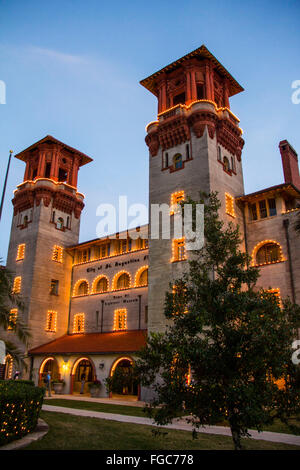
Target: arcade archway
49,365
123,383
83,371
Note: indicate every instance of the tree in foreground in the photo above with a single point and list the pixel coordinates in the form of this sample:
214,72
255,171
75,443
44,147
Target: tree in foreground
21,333
227,345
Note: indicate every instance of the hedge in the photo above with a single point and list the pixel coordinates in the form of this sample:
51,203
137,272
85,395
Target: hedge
20,406
20,381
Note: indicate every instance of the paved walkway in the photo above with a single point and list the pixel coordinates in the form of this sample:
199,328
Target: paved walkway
179,424
107,401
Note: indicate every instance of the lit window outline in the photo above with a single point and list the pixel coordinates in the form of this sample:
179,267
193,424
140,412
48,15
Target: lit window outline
12,319
175,249
276,292
95,282
176,199
17,285
260,245
51,321
229,205
120,319
116,278
77,285
78,323
138,275
57,254
21,252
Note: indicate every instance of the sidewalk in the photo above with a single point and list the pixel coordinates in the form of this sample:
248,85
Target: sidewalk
179,424
107,401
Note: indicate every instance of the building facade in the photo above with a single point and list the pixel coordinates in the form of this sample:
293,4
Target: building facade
89,305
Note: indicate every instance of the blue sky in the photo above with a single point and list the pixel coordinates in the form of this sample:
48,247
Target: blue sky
72,70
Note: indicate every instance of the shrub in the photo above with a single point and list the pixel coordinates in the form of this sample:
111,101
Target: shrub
20,406
20,381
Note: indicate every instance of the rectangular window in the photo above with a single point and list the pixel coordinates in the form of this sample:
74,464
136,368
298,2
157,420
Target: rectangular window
12,320
21,252
57,254
187,151
146,313
229,205
263,209
86,255
54,287
166,160
51,321
78,326
17,285
253,211
272,207
178,250
120,319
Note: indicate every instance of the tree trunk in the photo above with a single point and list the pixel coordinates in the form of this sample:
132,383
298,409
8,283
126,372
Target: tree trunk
236,437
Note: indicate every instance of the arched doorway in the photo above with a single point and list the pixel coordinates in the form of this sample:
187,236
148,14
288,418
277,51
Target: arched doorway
123,384
49,365
82,369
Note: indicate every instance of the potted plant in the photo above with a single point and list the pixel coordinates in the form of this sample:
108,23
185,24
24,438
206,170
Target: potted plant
58,385
94,388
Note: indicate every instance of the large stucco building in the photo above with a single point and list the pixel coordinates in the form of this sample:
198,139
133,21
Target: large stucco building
89,305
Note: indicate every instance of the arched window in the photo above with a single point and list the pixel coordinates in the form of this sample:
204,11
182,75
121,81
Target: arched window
123,281
82,288
101,285
226,164
268,253
177,161
142,277
60,223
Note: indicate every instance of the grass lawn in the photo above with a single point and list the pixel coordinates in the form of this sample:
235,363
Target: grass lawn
67,432
278,426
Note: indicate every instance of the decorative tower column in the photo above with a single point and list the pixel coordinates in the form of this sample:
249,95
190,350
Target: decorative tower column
194,145
46,220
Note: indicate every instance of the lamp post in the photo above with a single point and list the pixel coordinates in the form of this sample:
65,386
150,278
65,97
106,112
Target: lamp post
5,182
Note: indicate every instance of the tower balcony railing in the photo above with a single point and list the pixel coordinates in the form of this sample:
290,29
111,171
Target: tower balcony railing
51,184
199,105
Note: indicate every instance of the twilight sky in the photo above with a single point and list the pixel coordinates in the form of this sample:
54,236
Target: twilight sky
72,70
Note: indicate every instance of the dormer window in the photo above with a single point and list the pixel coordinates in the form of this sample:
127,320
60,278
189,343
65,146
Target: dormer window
262,209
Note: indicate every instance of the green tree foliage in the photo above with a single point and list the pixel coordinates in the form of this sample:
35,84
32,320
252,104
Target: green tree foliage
234,341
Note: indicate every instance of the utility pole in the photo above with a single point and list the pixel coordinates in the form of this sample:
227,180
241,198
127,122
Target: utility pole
5,182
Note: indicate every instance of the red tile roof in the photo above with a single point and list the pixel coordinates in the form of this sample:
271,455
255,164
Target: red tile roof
97,343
